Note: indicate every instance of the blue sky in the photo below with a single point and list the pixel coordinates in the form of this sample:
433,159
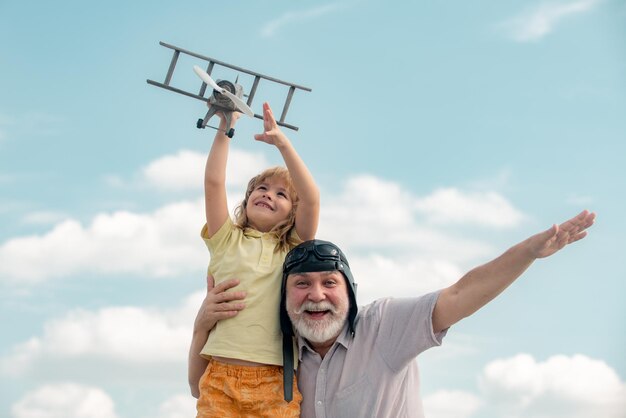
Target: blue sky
440,134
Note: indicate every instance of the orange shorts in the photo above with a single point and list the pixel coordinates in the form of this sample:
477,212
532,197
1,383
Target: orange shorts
229,390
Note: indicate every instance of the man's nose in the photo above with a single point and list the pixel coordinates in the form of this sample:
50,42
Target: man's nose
316,293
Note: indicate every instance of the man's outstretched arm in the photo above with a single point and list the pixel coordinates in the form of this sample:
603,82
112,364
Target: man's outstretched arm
482,284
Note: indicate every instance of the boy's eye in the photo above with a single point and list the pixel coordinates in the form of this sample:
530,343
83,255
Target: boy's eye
282,194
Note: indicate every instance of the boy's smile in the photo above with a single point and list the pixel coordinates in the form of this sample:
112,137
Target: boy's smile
269,204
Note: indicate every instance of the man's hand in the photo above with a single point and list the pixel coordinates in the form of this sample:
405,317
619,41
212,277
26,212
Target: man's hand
548,242
219,304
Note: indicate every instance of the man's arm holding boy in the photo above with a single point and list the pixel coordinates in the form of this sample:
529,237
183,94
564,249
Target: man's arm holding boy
217,305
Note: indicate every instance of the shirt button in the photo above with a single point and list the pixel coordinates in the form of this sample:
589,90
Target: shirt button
319,403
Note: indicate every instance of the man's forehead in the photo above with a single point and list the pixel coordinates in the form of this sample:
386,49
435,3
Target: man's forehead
312,274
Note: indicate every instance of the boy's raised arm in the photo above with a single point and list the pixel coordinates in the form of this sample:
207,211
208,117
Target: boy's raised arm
307,212
216,204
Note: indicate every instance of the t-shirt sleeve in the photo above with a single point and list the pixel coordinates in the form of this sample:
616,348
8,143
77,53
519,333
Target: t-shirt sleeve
295,237
406,329
219,239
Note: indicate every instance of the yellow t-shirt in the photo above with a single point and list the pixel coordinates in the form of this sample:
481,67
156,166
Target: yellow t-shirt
248,255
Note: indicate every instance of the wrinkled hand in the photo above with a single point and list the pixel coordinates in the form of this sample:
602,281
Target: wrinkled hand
272,133
219,304
548,242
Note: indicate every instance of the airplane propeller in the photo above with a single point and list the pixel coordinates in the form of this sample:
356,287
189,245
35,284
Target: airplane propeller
243,107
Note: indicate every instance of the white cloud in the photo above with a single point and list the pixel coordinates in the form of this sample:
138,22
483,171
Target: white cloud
185,170
560,387
159,244
538,23
409,276
65,400
451,404
377,223
128,336
181,171
377,219
378,215
270,28
179,406
451,205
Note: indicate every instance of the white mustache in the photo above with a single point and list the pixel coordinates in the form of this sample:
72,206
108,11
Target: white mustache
313,306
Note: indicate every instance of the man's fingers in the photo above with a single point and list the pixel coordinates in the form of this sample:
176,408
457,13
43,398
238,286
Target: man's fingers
225,285
220,294
579,223
583,220
225,314
229,296
229,306
210,282
550,233
577,237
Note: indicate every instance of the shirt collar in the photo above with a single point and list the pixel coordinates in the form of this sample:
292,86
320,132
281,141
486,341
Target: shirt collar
253,233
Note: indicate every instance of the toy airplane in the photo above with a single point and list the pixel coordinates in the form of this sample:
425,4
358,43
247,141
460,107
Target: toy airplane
226,97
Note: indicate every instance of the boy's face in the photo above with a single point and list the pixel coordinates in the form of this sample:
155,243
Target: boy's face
269,203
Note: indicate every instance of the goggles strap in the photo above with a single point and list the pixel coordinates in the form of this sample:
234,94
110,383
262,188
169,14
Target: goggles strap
288,368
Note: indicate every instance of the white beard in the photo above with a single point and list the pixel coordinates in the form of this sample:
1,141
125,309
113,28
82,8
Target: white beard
318,331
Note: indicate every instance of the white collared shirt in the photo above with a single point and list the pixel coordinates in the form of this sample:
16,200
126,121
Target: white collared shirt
375,373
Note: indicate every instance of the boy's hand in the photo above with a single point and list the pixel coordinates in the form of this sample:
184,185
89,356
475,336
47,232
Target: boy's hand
272,134
233,119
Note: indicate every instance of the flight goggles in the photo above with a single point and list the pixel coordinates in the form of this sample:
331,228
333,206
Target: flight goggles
315,255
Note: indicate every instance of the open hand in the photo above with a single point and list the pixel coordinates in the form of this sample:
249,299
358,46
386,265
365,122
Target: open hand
552,240
272,133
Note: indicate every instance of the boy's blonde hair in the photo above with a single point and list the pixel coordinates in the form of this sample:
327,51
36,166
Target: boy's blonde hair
282,231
